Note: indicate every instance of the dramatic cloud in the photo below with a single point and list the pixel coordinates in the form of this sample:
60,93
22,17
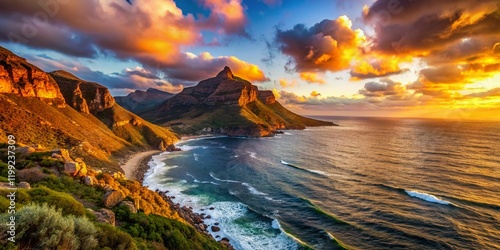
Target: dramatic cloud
327,46
407,26
385,87
311,77
193,67
490,93
152,33
127,79
375,68
229,15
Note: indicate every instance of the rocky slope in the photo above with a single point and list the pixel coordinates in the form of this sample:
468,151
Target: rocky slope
19,77
33,109
94,98
227,104
85,97
139,100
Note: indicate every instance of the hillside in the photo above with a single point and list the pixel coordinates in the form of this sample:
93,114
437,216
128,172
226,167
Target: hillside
139,101
79,116
94,98
227,104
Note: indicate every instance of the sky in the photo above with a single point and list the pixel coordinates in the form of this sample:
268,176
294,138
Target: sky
396,58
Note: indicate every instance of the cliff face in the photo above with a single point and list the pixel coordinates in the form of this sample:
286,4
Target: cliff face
89,97
19,77
226,104
139,100
85,97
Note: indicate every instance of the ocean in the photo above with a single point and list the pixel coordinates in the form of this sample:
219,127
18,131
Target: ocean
371,183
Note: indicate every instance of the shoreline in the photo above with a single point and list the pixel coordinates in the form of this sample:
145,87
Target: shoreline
135,164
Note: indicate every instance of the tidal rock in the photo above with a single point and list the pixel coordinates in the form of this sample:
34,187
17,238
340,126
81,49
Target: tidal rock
112,197
215,229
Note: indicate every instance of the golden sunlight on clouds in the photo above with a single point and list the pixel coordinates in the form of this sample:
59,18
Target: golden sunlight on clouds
311,77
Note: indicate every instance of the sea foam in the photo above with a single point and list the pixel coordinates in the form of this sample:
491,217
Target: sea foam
427,197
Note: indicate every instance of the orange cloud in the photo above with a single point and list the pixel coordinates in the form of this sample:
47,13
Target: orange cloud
311,77
286,83
315,93
229,14
330,45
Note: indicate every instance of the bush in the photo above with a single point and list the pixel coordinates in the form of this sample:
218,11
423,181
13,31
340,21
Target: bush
64,201
69,185
25,164
171,233
44,227
110,237
22,197
31,175
49,162
38,156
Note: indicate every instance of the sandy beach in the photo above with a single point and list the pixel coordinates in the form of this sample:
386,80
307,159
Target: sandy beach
131,166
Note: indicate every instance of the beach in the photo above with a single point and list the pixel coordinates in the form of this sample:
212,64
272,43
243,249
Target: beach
137,165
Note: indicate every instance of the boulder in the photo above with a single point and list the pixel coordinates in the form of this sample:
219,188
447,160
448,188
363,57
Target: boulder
26,150
71,168
89,181
112,198
130,205
24,184
83,167
215,229
105,215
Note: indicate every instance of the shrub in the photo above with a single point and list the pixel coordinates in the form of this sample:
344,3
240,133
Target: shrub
64,201
38,156
69,185
25,164
31,175
49,162
110,237
22,197
44,227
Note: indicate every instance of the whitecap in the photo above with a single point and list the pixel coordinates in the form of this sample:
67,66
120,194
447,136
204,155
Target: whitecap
252,154
195,155
427,197
212,175
252,189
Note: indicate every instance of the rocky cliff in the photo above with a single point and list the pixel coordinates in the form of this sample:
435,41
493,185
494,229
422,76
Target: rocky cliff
92,97
86,97
19,77
227,104
139,100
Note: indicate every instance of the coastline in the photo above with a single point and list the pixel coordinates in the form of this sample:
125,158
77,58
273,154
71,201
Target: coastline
137,164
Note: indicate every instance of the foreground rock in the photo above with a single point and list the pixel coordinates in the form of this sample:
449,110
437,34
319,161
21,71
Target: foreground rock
112,198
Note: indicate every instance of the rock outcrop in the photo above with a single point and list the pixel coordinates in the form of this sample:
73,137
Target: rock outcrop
112,198
104,215
19,77
85,97
227,104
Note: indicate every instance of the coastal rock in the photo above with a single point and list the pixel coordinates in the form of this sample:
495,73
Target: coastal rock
215,229
71,168
19,77
105,215
24,184
129,205
112,197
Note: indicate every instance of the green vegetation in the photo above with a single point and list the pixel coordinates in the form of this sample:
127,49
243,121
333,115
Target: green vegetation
44,227
171,233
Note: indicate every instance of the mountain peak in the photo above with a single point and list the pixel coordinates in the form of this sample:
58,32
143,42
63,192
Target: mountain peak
226,73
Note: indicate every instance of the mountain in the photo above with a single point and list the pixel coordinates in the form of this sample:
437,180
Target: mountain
59,110
227,104
139,100
90,97
19,77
